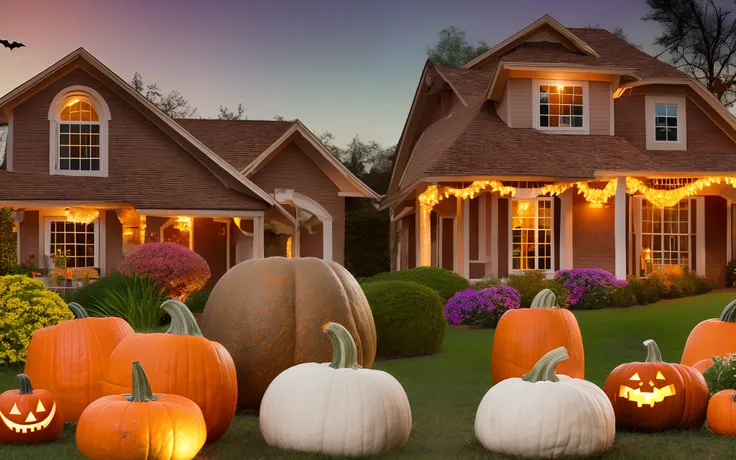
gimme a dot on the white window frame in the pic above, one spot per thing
(649, 112)
(536, 83)
(54, 116)
(663, 235)
(47, 219)
(553, 250)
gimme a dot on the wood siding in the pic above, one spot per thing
(113, 242)
(715, 239)
(29, 242)
(502, 106)
(210, 242)
(520, 102)
(601, 99)
(593, 234)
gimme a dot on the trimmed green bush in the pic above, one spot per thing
(530, 283)
(197, 300)
(366, 242)
(409, 317)
(444, 282)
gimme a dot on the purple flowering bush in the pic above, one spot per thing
(590, 288)
(482, 307)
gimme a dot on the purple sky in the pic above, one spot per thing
(347, 66)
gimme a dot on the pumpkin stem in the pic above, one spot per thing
(729, 313)
(25, 384)
(544, 370)
(141, 391)
(344, 351)
(182, 319)
(653, 353)
(544, 299)
(78, 310)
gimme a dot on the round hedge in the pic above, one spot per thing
(409, 317)
(444, 282)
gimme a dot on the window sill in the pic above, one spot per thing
(79, 173)
(577, 131)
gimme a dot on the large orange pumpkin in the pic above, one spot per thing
(712, 337)
(269, 313)
(524, 335)
(68, 359)
(654, 395)
(141, 425)
(28, 415)
(722, 413)
(184, 363)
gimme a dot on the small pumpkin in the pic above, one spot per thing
(546, 415)
(185, 363)
(722, 413)
(524, 335)
(654, 395)
(141, 425)
(29, 416)
(335, 408)
(703, 365)
(712, 337)
(268, 314)
(68, 359)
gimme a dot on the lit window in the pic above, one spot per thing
(665, 123)
(531, 234)
(79, 137)
(666, 237)
(73, 240)
(560, 106)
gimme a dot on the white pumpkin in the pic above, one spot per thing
(335, 408)
(546, 415)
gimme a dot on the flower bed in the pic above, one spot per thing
(481, 308)
(590, 288)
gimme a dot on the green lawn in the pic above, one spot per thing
(445, 390)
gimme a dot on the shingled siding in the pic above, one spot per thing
(520, 103)
(146, 167)
(600, 107)
(593, 234)
(715, 239)
(293, 169)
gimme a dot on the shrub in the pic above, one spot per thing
(25, 306)
(138, 301)
(444, 282)
(482, 307)
(176, 270)
(722, 375)
(530, 283)
(26, 267)
(8, 242)
(486, 282)
(589, 288)
(86, 295)
(409, 317)
(731, 273)
(197, 300)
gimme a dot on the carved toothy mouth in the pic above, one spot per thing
(644, 397)
(18, 428)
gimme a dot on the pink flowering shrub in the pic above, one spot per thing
(590, 288)
(482, 308)
(176, 270)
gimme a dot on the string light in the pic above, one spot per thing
(81, 215)
(183, 224)
(432, 196)
(667, 198)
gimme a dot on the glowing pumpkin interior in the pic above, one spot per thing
(31, 422)
(649, 398)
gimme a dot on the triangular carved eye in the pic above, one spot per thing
(39, 407)
(14, 410)
(660, 376)
(635, 377)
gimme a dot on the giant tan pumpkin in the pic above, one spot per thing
(268, 313)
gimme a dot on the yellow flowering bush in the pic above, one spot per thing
(25, 306)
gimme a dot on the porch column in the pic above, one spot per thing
(700, 236)
(258, 237)
(566, 230)
(424, 239)
(327, 240)
(729, 231)
(620, 228)
(494, 235)
(461, 252)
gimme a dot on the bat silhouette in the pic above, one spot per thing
(11, 46)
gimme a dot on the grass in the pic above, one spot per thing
(445, 390)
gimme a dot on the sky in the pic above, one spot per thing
(345, 66)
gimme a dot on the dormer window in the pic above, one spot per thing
(561, 106)
(79, 119)
(666, 122)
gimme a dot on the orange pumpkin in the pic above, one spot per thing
(184, 363)
(703, 365)
(722, 413)
(68, 359)
(524, 335)
(712, 337)
(140, 425)
(28, 415)
(654, 395)
(268, 313)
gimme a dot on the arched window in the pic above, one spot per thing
(78, 117)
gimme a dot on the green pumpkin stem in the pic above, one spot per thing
(729, 313)
(544, 370)
(78, 310)
(25, 385)
(141, 391)
(544, 299)
(653, 353)
(344, 351)
(182, 319)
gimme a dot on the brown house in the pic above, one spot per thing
(93, 170)
(564, 148)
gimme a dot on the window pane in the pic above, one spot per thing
(561, 100)
(671, 110)
(660, 134)
(660, 121)
(577, 122)
(544, 109)
(543, 121)
(672, 134)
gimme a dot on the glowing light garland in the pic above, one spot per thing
(431, 196)
(81, 215)
(667, 198)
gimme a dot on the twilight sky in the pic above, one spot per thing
(346, 66)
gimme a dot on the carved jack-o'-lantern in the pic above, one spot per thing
(28, 415)
(655, 395)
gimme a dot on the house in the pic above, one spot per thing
(92, 170)
(563, 148)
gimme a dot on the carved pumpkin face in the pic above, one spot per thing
(28, 415)
(654, 395)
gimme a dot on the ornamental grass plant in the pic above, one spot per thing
(137, 301)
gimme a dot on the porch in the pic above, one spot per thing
(625, 225)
